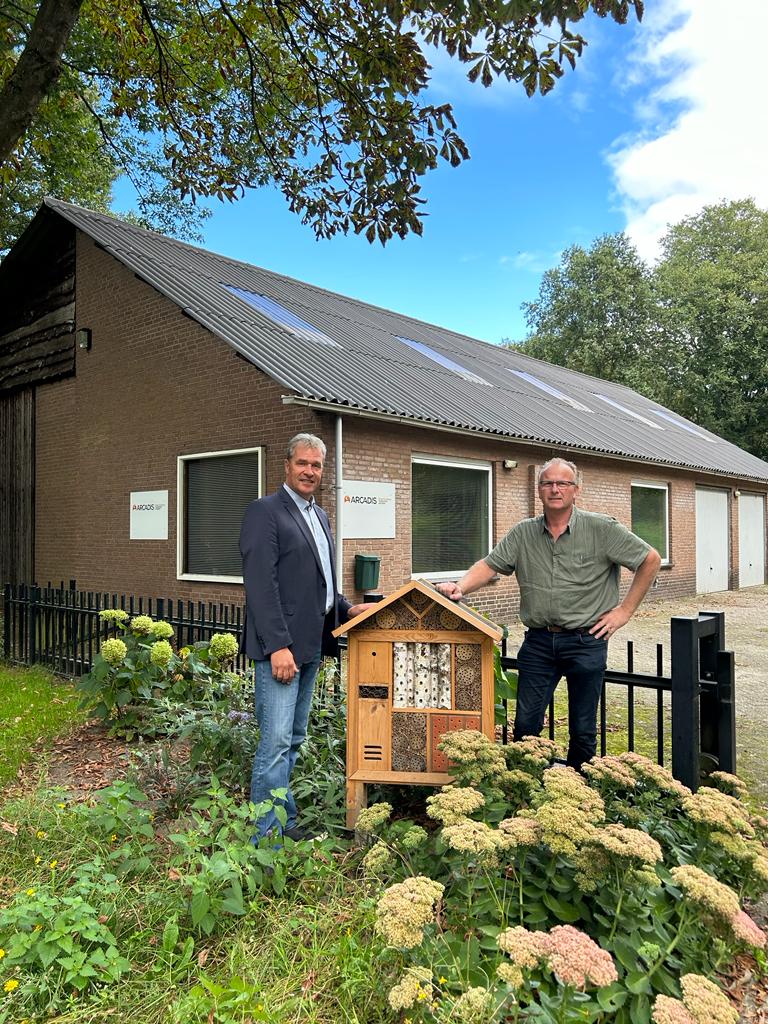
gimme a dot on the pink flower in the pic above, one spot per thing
(745, 929)
(577, 960)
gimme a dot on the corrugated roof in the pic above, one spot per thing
(373, 371)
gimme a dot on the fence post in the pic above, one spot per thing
(34, 593)
(7, 621)
(685, 700)
(726, 705)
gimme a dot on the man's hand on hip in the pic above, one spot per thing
(609, 622)
(283, 666)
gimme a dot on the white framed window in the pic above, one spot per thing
(650, 515)
(213, 491)
(451, 512)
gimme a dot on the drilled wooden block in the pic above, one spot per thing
(409, 742)
(469, 678)
(440, 725)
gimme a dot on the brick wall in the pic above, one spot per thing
(157, 385)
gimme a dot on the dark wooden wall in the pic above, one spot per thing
(17, 486)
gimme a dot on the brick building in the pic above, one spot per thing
(147, 389)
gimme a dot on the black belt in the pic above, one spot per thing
(563, 629)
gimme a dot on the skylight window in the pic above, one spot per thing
(550, 390)
(282, 316)
(683, 426)
(441, 360)
(629, 412)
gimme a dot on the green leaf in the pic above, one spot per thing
(199, 907)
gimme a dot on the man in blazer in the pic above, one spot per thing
(292, 604)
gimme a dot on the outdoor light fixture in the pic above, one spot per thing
(509, 464)
(83, 338)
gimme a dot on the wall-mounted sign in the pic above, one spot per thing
(369, 509)
(149, 515)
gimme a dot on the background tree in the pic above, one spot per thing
(325, 99)
(690, 333)
(596, 313)
(712, 289)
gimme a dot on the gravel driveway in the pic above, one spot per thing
(746, 634)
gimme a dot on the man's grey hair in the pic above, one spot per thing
(559, 462)
(305, 441)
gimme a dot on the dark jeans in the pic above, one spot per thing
(543, 658)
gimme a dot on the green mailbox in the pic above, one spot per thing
(367, 572)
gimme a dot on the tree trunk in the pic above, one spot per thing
(37, 70)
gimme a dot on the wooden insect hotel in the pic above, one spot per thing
(419, 665)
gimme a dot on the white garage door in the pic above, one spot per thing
(711, 540)
(751, 540)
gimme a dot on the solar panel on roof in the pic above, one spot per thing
(683, 426)
(550, 390)
(629, 412)
(442, 360)
(280, 315)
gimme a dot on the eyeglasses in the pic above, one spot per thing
(560, 484)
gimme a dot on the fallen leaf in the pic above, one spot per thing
(8, 827)
(202, 956)
(174, 875)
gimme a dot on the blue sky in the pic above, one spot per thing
(656, 120)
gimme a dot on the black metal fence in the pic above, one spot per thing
(59, 627)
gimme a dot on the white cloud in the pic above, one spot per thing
(704, 121)
(534, 262)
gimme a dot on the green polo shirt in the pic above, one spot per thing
(570, 581)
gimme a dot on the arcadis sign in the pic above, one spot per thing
(368, 509)
(149, 515)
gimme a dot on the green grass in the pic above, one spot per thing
(35, 707)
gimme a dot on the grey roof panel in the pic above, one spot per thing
(373, 371)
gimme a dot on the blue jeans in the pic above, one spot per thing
(282, 711)
(543, 658)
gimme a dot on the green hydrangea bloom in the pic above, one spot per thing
(161, 654)
(223, 646)
(113, 651)
(141, 624)
(113, 615)
(161, 630)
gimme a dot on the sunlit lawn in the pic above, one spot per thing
(35, 707)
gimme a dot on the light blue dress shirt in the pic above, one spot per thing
(307, 509)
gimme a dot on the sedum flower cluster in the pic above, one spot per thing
(569, 811)
(414, 838)
(113, 615)
(730, 784)
(475, 759)
(373, 817)
(718, 812)
(416, 984)
(650, 774)
(404, 910)
(717, 902)
(635, 853)
(519, 832)
(223, 646)
(378, 859)
(570, 954)
(474, 837)
(113, 651)
(475, 1006)
(610, 772)
(161, 654)
(454, 803)
(532, 753)
(702, 1003)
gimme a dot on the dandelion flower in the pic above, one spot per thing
(11, 985)
(31, 892)
(2, 953)
(53, 864)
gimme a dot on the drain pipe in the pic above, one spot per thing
(339, 508)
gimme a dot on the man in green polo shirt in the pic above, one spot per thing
(567, 563)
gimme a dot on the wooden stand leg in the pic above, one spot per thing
(357, 799)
